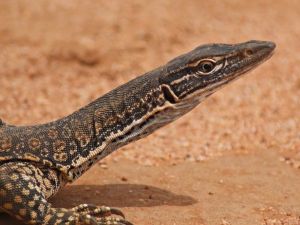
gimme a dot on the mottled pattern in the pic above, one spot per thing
(35, 161)
(24, 190)
(72, 141)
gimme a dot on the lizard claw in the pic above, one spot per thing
(98, 211)
(113, 221)
(104, 211)
(117, 212)
(90, 220)
(100, 215)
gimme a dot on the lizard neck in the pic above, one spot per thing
(123, 115)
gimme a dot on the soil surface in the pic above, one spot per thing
(233, 160)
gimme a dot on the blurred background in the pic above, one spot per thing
(56, 56)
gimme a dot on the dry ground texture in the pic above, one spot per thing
(234, 160)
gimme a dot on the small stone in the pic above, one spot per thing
(103, 166)
(124, 179)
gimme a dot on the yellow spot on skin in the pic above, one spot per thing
(31, 157)
(22, 212)
(5, 158)
(8, 186)
(18, 199)
(25, 192)
(31, 203)
(47, 183)
(47, 218)
(47, 163)
(8, 206)
(36, 197)
(31, 186)
(33, 214)
(14, 177)
(60, 215)
(25, 177)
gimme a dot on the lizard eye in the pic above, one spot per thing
(248, 52)
(206, 66)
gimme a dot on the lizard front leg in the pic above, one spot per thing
(22, 195)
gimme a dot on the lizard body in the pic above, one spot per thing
(35, 161)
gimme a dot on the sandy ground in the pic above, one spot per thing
(232, 160)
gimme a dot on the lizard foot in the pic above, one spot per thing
(97, 211)
(22, 197)
(100, 215)
(89, 220)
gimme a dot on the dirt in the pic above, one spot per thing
(235, 159)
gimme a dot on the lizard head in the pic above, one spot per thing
(199, 73)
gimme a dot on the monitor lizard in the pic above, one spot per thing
(36, 161)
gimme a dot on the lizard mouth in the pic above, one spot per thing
(262, 54)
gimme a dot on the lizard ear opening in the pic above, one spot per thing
(169, 94)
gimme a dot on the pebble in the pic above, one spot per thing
(103, 166)
(124, 179)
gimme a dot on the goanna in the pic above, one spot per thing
(36, 161)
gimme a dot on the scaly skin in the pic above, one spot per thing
(36, 161)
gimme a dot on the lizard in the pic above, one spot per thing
(38, 160)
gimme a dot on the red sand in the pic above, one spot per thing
(57, 56)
